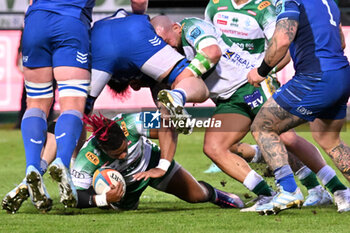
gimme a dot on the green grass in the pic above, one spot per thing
(159, 212)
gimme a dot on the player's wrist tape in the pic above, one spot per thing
(163, 164)
(101, 200)
(200, 64)
(264, 69)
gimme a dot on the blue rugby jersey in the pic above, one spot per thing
(81, 9)
(317, 45)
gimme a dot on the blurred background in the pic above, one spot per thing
(11, 78)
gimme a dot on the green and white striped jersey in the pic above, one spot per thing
(231, 71)
(91, 157)
(249, 25)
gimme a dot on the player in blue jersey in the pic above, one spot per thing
(56, 45)
(126, 46)
(318, 93)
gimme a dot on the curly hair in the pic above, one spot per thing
(107, 132)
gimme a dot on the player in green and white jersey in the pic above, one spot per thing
(226, 79)
(222, 65)
(251, 24)
(122, 144)
(248, 23)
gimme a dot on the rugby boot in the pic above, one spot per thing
(14, 199)
(318, 196)
(37, 190)
(68, 192)
(281, 201)
(342, 200)
(178, 113)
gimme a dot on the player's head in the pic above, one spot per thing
(119, 88)
(168, 30)
(109, 135)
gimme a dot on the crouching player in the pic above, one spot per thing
(122, 144)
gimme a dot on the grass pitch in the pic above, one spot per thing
(160, 212)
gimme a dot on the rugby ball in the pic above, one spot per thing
(105, 176)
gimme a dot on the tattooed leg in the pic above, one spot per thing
(271, 121)
(341, 158)
(327, 134)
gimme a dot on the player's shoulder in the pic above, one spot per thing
(190, 21)
(193, 24)
(89, 153)
(261, 6)
(128, 122)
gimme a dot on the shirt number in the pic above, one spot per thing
(331, 21)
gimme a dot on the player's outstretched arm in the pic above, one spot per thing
(283, 36)
(167, 143)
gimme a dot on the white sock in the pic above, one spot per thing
(252, 180)
(257, 156)
(180, 94)
(325, 174)
(303, 172)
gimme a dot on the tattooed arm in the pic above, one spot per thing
(283, 36)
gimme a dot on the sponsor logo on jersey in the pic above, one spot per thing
(222, 16)
(92, 158)
(234, 32)
(82, 57)
(279, 5)
(222, 8)
(254, 100)
(238, 59)
(195, 33)
(223, 22)
(251, 12)
(124, 128)
(234, 22)
(77, 174)
(216, 1)
(263, 5)
(155, 41)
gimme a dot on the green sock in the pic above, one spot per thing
(262, 189)
(335, 184)
(310, 181)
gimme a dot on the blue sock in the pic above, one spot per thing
(284, 177)
(67, 131)
(33, 129)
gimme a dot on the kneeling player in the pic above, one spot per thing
(122, 144)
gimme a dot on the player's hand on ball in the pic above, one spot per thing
(116, 193)
(152, 173)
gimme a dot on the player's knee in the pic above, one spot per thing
(326, 143)
(39, 90)
(289, 139)
(197, 196)
(255, 128)
(212, 150)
